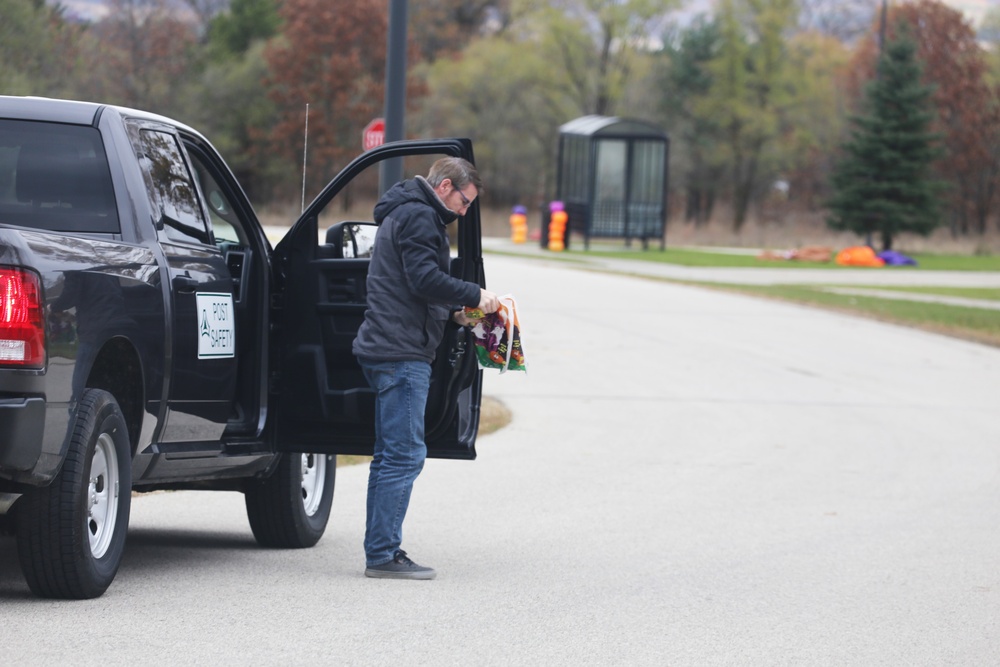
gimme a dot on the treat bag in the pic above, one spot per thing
(498, 337)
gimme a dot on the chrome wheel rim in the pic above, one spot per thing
(102, 496)
(313, 481)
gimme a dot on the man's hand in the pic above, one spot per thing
(489, 302)
(462, 319)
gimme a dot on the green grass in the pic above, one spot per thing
(975, 324)
(985, 293)
(689, 257)
(932, 262)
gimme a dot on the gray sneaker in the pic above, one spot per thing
(400, 567)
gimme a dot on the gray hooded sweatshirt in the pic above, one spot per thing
(410, 292)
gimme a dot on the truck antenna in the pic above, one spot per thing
(305, 148)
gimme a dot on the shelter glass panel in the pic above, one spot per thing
(610, 188)
(646, 197)
(575, 168)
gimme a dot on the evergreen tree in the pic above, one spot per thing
(684, 79)
(883, 183)
(231, 33)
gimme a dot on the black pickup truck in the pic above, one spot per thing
(151, 338)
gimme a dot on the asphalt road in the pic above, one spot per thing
(690, 478)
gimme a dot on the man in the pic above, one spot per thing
(411, 295)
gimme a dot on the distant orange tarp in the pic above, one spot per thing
(859, 256)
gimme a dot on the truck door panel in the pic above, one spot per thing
(324, 403)
(201, 385)
(238, 237)
(202, 371)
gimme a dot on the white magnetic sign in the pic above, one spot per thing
(216, 327)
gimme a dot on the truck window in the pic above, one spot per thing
(172, 188)
(227, 228)
(55, 177)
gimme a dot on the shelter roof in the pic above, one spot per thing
(594, 125)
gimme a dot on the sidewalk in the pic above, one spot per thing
(910, 296)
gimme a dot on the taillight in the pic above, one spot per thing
(22, 326)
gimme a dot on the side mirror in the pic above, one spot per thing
(352, 239)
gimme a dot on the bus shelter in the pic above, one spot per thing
(612, 178)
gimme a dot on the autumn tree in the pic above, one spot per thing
(552, 61)
(224, 97)
(967, 105)
(23, 45)
(140, 55)
(883, 183)
(989, 36)
(38, 49)
(815, 118)
(844, 20)
(446, 27)
(592, 45)
(749, 93)
(232, 32)
(505, 97)
(330, 55)
(206, 9)
(684, 79)
(226, 102)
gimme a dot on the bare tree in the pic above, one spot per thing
(442, 27)
(844, 19)
(206, 9)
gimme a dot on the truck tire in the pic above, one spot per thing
(290, 509)
(71, 534)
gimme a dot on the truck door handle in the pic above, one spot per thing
(185, 284)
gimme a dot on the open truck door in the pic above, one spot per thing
(321, 401)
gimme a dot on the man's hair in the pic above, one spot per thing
(460, 172)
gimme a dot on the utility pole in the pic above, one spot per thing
(391, 171)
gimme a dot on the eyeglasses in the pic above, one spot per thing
(466, 202)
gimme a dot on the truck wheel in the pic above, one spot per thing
(290, 509)
(71, 534)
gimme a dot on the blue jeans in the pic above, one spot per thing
(401, 389)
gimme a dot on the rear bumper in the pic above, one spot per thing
(22, 430)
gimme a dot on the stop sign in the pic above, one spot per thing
(373, 135)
